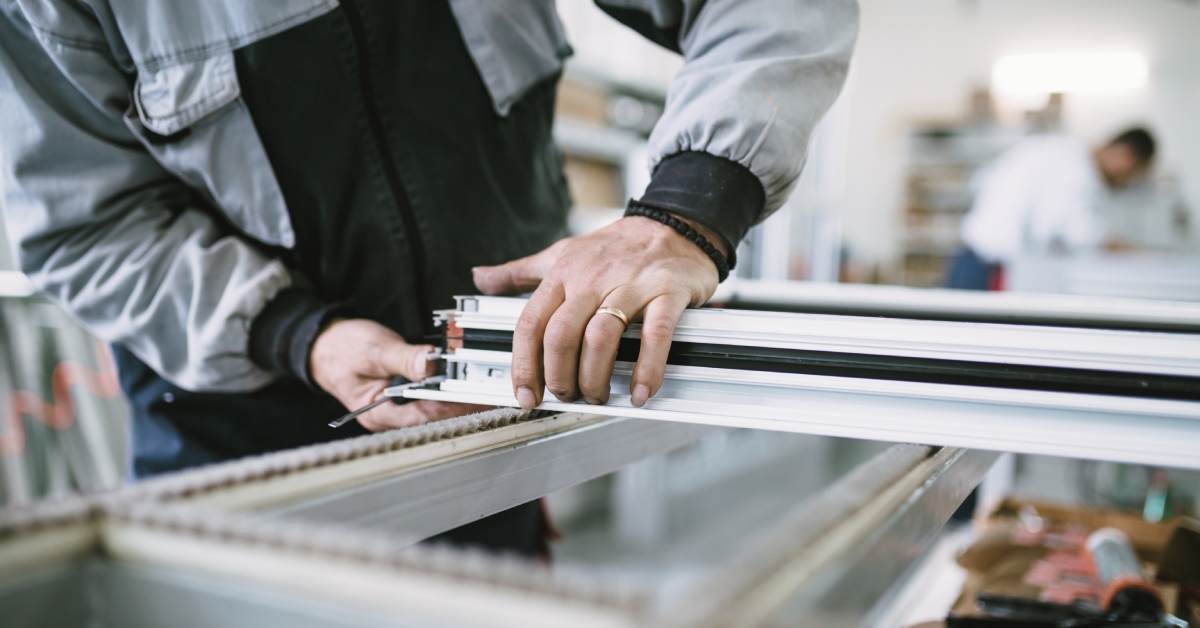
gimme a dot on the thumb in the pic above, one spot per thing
(407, 361)
(516, 277)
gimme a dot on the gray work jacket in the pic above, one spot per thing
(125, 147)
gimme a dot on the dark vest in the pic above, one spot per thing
(399, 177)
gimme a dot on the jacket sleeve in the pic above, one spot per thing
(757, 77)
(99, 226)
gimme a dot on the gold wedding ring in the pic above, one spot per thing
(615, 312)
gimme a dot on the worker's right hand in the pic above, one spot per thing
(354, 360)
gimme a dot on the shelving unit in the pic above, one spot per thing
(601, 128)
(944, 159)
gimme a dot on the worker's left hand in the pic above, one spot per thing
(354, 360)
(640, 266)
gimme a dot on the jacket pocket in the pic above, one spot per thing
(190, 116)
(515, 44)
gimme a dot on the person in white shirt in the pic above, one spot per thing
(1041, 196)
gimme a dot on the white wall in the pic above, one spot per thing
(918, 59)
(604, 47)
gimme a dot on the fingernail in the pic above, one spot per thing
(526, 399)
(641, 393)
(565, 397)
(591, 401)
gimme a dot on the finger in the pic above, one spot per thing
(392, 416)
(408, 361)
(440, 410)
(601, 339)
(658, 326)
(527, 343)
(516, 277)
(564, 334)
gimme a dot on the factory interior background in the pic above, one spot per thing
(930, 103)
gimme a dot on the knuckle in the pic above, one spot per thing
(561, 267)
(560, 337)
(589, 391)
(526, 321)
(596, 337)
(658, 330)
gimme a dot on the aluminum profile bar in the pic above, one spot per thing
(227, 524)
(420, 481)
(835, 558)
(891, 505)
(1114, 395)
(427, 501)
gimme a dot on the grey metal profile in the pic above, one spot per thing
(426, 501)
(207, 556)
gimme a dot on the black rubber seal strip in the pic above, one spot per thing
(894, 368)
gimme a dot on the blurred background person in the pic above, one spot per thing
(1042, 197)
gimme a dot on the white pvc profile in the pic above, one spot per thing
(1159, 353)
(1100, 427)
(1096, 426)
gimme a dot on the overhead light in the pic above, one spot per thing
(1065, 73)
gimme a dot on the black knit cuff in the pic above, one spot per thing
(720, 194)
(282, 335)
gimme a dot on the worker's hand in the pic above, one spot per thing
(353, 360)
(642, 267)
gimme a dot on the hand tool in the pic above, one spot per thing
(394, 391)
(395, 381)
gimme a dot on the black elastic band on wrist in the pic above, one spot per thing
(682, 228)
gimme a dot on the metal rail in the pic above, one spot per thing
(426, 501)
(875, 520)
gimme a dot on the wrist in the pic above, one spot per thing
(711, 236)
(282, 336)
(722, 195)
(714, 251)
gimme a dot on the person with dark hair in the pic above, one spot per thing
(1041, 197)
(1126, 157)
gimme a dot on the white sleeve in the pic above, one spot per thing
(994, 229)
(1066, 209)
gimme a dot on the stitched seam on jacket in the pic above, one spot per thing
(199, 52)
(189, 115)
(225, 94)
(70, 42)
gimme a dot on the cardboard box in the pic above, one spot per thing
(1033, 550)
